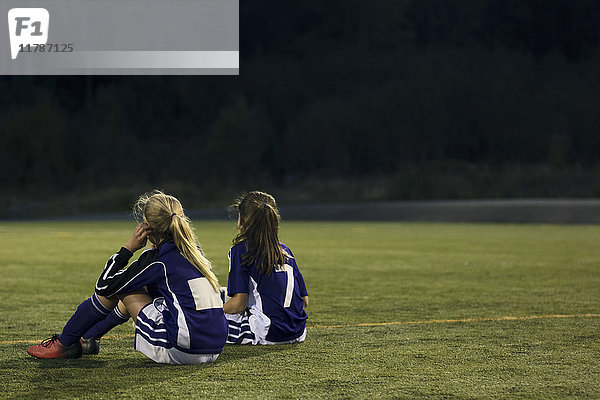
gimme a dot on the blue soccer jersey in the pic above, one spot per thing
(194, 318)
(276, 299)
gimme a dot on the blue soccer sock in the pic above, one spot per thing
(90, 312)
(113, 319)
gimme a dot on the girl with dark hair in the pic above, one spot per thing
(267, 290)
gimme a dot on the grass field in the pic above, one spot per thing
(397, 311)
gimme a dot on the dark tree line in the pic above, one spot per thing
(326, 88)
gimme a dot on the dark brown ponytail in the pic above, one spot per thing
(260, 230)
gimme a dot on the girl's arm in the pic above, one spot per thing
(305, 301)
(237, 304)
(117, 277)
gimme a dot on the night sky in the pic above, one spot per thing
(335, 101)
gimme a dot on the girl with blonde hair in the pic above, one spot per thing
(170, 291)
(267, 290)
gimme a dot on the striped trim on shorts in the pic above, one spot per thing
(241, 332)
(151, 338)
(239, 329)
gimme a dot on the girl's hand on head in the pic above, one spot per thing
(138, 237)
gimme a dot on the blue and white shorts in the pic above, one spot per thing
(151, 338)
(252, 329)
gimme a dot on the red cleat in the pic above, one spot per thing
(53, 348)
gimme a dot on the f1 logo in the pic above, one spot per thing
(28, 26)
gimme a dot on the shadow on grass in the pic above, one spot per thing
(89, 378)
(235, 353)
(80, 363)
(114, 372)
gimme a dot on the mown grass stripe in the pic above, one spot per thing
(431, 321)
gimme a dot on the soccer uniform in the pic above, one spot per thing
(275, 302)
(185, 323)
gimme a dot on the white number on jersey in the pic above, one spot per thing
(289, 290)
(204, 294)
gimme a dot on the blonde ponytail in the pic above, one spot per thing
(165, 215)
(186, 242)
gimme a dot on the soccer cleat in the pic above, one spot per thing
(90, 346)
(53, 348)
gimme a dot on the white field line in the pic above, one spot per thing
(452, 321)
